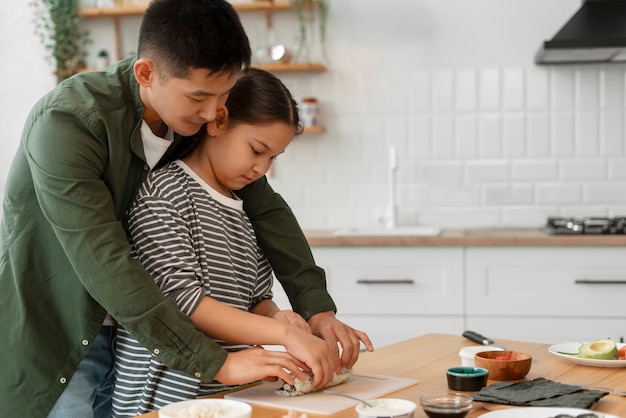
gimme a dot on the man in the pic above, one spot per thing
(65, 260)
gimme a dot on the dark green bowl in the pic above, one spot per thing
(467, 378)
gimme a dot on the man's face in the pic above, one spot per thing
(184, 105)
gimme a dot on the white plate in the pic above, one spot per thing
(540, 412)
(228, 408)
(558, 349)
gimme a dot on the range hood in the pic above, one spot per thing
(595, 34)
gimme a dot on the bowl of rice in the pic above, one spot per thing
(206, 408)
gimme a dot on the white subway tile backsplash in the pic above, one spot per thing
(442, 90)
(477, 147)
(514, 135)
(420, 137)
(612, 86)
(558, 193)
(447, 174)
(605, 193)
(443, 136)
(562, 87)
(583, 170)
(465, 90)
(394, 91)
(462, 217)
(318, 196)
(587, 131)
(419, 91)
(535, 170)
(538, 87)
(612, 133)
(504, 194)
(513, 89)
(530, 216)
(466, 134)
(485, 171)
(490, 136)
(489, 91)
(539, 143)
(617, 169)
(396, 134)
(587, 88)
(562, 124)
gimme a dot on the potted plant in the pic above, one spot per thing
(58, 26)
(309, 13)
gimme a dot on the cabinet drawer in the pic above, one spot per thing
(394, 280)
(575, 282)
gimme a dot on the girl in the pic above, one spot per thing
(190, 232)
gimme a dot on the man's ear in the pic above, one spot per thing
(144, 70)
(221, 117)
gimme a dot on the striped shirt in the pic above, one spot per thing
(195, 242)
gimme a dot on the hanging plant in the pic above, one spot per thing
(309, 12)
(58, 26)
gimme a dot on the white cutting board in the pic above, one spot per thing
(362, 385)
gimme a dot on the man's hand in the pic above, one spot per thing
(255, 363)
(326, 326)
(292, 318)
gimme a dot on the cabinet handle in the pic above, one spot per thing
(382, 281)
(587, 281)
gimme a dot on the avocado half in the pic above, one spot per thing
(603, 349)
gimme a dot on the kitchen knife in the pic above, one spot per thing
(478, 338)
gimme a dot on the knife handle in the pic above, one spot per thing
(477, 338)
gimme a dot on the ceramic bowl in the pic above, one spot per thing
(467, 353)
(504, 365)
(224, 408)
(441, 405)
(467, 378)
(387, 407)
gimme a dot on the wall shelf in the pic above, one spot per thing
(268, 6)
(313, 130)
(304, 67)
(256, 6)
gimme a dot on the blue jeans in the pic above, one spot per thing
(89, 392)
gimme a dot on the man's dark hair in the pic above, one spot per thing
(178, 35)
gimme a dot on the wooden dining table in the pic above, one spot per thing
(427, 357)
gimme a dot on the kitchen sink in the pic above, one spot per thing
(399, 231)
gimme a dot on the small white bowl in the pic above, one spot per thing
(387, 407)
(209, 408)
(467, 353)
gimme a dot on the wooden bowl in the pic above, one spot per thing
(504, 365)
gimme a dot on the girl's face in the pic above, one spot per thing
(233, 156)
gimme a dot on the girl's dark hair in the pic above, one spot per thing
(259, 97)
(182, 34)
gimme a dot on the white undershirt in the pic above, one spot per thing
(153, 147)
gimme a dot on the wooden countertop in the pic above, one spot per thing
(427, 357)
(487, 237)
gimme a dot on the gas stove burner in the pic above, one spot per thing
(588, 225)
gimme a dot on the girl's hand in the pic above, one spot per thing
(256, 363)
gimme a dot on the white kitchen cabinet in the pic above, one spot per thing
(546, 294)
(395, 293)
